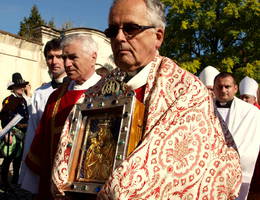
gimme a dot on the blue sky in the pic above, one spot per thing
(82, 13)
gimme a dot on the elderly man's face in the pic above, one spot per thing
(79, 64)
(132, 51)
(248, 98)
(225, 89)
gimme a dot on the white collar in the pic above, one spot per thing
(60, 80)
(140, 78)
(87, 84)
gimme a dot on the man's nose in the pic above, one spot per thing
(67, 62)
(54, 60)
(120, 35)
(223, 88)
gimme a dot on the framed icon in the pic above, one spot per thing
(104, 132)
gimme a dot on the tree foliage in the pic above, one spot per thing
(221, 33)
(28, 25)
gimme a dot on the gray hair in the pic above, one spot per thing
(88, 43)
(155, 12)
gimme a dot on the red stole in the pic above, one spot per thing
(139, 93)
(44, 146)
(257, 105)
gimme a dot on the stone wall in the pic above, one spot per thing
(19, 55)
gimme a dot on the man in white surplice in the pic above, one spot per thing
(54, 61)
(243, 121)
(248, 91)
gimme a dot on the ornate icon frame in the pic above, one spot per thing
(128, 135)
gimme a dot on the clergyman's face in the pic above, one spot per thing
(248, 98)
(55, 63)
(210, 89)
(79, 64)
(225, 89)
(133, 51)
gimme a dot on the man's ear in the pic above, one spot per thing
(94, 55)
(159, 37)
(236, 88)
(94, 59)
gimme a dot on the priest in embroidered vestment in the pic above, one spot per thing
(184, 153)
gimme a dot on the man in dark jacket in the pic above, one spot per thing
(12, 143)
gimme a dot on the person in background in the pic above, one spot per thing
(207, 76)
(183, 153)
(28, 97)
(258, 95)
(53, 56)
(248, 91)
(248, 88)
(27, 90)
(12, 143)
(243, 121)
(79, 52)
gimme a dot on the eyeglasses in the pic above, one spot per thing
(129, 30)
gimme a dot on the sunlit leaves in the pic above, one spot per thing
(184, 25)
(221, 33)
(191, 66)
(231, 10)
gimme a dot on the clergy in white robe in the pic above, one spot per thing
(28, 179)
(243, 121)
(52, 52)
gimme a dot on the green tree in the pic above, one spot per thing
(221, 33)
(28, 25)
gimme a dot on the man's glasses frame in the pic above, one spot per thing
(129, 29)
